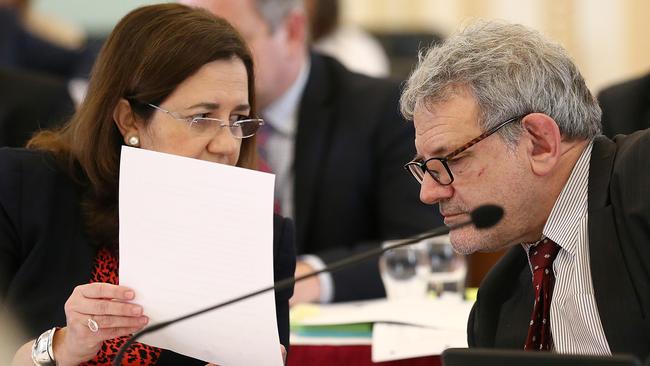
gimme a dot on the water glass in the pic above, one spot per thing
(447, 268)
(405, 271)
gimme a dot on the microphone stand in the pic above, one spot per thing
(288, 282)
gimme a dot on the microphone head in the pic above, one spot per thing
(486, 216)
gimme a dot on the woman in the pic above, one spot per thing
(170, 79)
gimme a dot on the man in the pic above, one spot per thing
(626, 106)
(337, 144)
(577, 205)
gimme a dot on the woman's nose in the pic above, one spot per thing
(224, 143)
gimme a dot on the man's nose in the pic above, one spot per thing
(431, 192)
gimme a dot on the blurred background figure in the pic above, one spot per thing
(355, 48)
(50, 28)
(626, 106)
(32, 41)
(30, 101)
(337, 144)
(43, 67)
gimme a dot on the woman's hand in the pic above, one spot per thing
(100, 304)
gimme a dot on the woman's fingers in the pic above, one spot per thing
(100, 290)
(106, 307)
(107, 321)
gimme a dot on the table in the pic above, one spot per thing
(343, 355)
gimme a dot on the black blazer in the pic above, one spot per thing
(350, 189)
(619, 249)
(626, 106)
(44, 252)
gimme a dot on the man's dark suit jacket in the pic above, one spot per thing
(350, 188)
(30, 102)
(626, 106)
(44, 252)
(619, 249)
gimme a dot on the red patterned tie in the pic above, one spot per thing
(541, 258)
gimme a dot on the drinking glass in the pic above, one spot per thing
(447, 268)
(405, 271)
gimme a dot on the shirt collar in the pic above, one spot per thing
(282, 113)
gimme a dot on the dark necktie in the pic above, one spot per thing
(541, 258)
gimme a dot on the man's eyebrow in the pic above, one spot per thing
(439, 151)
(436, 153)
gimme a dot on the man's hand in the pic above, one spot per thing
(306, 290)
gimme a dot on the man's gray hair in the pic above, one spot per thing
(510, 70)
(275, 11)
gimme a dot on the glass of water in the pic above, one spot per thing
(405, 271)
(448, 268)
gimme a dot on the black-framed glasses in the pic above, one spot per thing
(438, 167)
(205, 126)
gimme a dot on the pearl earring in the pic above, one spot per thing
(134, 141)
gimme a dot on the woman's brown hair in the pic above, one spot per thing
(150, 52)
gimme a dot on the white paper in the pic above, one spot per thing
(396, 342)
(193, 234)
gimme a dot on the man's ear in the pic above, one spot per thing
(544, 142)
(125, 120)
(295, 25)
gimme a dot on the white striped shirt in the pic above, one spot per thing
(575, 322)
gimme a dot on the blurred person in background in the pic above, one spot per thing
(336, 142)
(626, 106)
(21, 47)
(355, 48)
(171, 79)
(42, 75)
(29, 102)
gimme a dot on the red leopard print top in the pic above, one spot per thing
(105, 270)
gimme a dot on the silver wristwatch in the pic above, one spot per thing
(42, 353)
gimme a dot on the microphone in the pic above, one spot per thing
(482, 217)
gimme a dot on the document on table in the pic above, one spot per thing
(402, 329)
(193, 234)
(398, 341)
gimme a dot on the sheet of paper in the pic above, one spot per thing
(444, 313)
(396, 341)
(193, 234)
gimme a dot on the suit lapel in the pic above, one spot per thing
(315, 124)
(613, 289)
